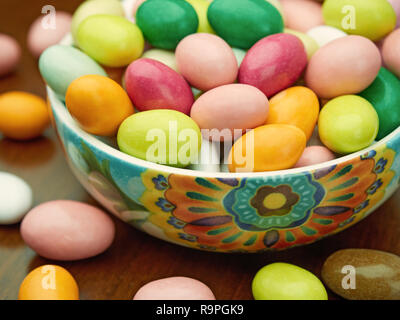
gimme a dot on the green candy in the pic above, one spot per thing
(165, 23)
(372, 19)
(161, 136)
(283, 281)
(242, 23)
(384, 95)
(60, 65)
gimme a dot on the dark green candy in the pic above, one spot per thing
(384, 95)
(242, 23)
(166, 22)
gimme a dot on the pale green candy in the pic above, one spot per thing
(372, 19)
(110, 40)
(93, 7)
(60, 65)
(164, 56)
(161, 136)
(196, 93)
(239, 54)
(283, 281)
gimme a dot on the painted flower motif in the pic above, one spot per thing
(273, 212)
(160, 182)
(380, 165)
(165, 205)
(374, 187)
(362, 206)
(176, 222)
(274, 201)
(265, 203)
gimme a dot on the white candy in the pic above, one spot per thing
(209, 158)
(15, 198)
(325, 34)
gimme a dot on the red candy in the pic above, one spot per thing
(153, 85)
(274, 63)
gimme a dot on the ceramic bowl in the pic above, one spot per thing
(231, 212)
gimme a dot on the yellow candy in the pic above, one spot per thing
(283, 281)
(49, 282)
(110, 40)
(164, 56)
(201, 7)
(309, 43)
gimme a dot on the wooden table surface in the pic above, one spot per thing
(136, 258)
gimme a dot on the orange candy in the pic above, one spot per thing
(298, 106)
(267, 148)
(49, 282)
(99, 104)
(23, 116)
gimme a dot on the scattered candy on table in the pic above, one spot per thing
(49, 282)
(10, 54)
(23, 116)
(363, 274)
(15, 198)
(175, 288)
(283, 281)
(67, 230)
(42, 35)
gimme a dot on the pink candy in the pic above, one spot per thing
(153, 85)
(274, 63)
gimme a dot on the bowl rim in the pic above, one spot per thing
(65, 117)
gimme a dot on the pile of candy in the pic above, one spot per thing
(204, 73)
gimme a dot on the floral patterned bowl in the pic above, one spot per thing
(229, 212)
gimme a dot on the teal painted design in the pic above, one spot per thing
(300, 194)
